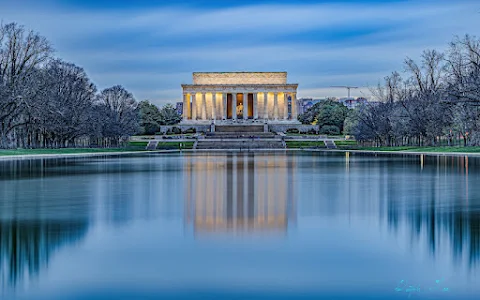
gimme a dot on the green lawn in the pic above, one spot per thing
(138, 144)
(305, 144)
(349, 143)
(300, 134)
(423, 149)
(174, 145)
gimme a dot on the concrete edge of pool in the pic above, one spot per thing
(63, 155)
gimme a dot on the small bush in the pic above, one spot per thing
(312, 131)
(293, 130)
(190, 130)
(176, 130)
(330, 129)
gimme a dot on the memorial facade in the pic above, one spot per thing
(240, 96)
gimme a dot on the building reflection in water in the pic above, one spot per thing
(239, 192)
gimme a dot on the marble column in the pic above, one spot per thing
(185, 107)
(234, 106)
(204, 106)
(285, 106)
(255, 106)
(265, 105)
(194, 106)
(245, 106)
(214, 105)
(294, 106)
(224, 106)
(275, 106)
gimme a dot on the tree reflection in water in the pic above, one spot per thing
(26, 246)
(441, 211)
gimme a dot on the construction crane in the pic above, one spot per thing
(346, 87)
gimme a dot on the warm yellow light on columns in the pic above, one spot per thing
(245, 106)
(224, 106)
(214, 105)
(185, 107)
(234, 106)
(255, 106)
(194, 106)
(275, 106)
(294, 106)
(204, 106)
(265, 106)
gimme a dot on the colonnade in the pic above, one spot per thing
(222, 106)
(239, 191)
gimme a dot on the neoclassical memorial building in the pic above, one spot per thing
(229, 97)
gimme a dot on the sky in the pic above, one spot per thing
(151, 47)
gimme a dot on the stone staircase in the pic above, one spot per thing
(239, 128)
(152, 145)
(239, 135)
(330, 144)
(241, 145)
(241, 140)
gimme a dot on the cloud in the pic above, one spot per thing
(151, 51)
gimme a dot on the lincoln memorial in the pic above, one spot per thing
(228, 97)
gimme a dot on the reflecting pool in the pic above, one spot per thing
(241, 226)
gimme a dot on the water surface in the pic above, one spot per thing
(241, 225)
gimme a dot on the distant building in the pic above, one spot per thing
(179, 108)
(353, 102)
(305, 103)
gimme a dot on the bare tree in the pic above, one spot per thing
(118, 116)
(66, 112)
(21, 53)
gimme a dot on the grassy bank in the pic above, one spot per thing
(453, 149)
(305, 144)
(132, 146)
(166, 145)
(352, 145)
(318, 144)
(174, 145)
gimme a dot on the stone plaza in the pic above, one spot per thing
(245, 97)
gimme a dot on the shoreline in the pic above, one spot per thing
(63, 155)
(398, 152)
(121, 153)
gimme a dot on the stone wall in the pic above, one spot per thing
(183, 128)
(272, 127)
(301, 128)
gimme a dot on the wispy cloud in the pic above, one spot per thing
(152, 50)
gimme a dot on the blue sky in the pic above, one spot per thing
(152, 46)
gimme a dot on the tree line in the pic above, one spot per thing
(431, 102)
(46, 102)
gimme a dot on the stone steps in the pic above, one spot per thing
(152, 145)
(237, 135)
(239, 128)
(243, 144)
(330, 144)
